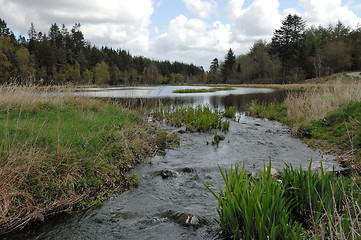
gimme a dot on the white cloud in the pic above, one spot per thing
(192, 41)
(124, 23)
(328, 12)
(202, 9)
(257, 21)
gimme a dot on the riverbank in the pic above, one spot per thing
(326, 115)
(64, 153)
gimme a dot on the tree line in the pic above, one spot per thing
(294, 54)
(62, 56)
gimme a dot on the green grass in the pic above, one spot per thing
(341, 128)
(230, 112)
(199, 119)
(203, 90)
(56, 154)
(273, 111)
(297, 205)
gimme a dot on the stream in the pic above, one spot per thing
(152, 210)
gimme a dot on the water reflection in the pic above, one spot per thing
(153, 96)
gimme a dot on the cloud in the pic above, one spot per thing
(257, 21)
(202, 9)
(124, 23)
(192, 40)
(327, 12)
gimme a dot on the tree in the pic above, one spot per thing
(101, 73)
(287, 42)
(25, 63)
(336, 58)
(228, 69)
(4, 67)
(4, 30)
(214, 66)
(214, 71)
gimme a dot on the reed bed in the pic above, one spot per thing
(314, 105)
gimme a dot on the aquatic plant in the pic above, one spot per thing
(297, 205)
(230, 112)
(327, 205)
(250, 209)
(203, 90)
(200, 118)
(273, 111)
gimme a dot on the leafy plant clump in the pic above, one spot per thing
(272, 111)
(297, 205)
(230, 112)
(251, 209)
(199, 119)
(203, 90)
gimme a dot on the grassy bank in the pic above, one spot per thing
(203, 90)
(63, 153)
(295, 205)
(330, 113)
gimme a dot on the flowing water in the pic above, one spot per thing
(151, 211)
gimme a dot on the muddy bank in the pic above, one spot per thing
(150, 211)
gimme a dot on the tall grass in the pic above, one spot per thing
(251, 209)
(314, 105)
(298, 205)
(58, 152)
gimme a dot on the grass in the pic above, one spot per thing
(203, 90)
(298, 205)
(56, 152)
(330, 114)
(199, 119)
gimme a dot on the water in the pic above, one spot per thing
(147, 212)
(151, 96)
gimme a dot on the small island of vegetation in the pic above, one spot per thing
(203, 90)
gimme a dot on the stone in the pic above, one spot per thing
(186, 219)
(40, 217)
(221, 137)
(166, 173)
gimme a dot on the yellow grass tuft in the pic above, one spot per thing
(317, 104)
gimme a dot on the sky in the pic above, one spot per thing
(189, 31)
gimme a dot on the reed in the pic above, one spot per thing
(314, 105)
(251, 209)
(297, 205)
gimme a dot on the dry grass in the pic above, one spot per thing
(43, 170)
(313, 105)
(27, 97)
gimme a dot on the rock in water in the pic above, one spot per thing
(186, 219)
(166, 173)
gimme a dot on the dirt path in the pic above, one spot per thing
(355, 74)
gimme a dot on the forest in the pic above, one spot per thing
(66, 57)
(296, 52)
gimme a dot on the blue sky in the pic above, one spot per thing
(191, 31)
